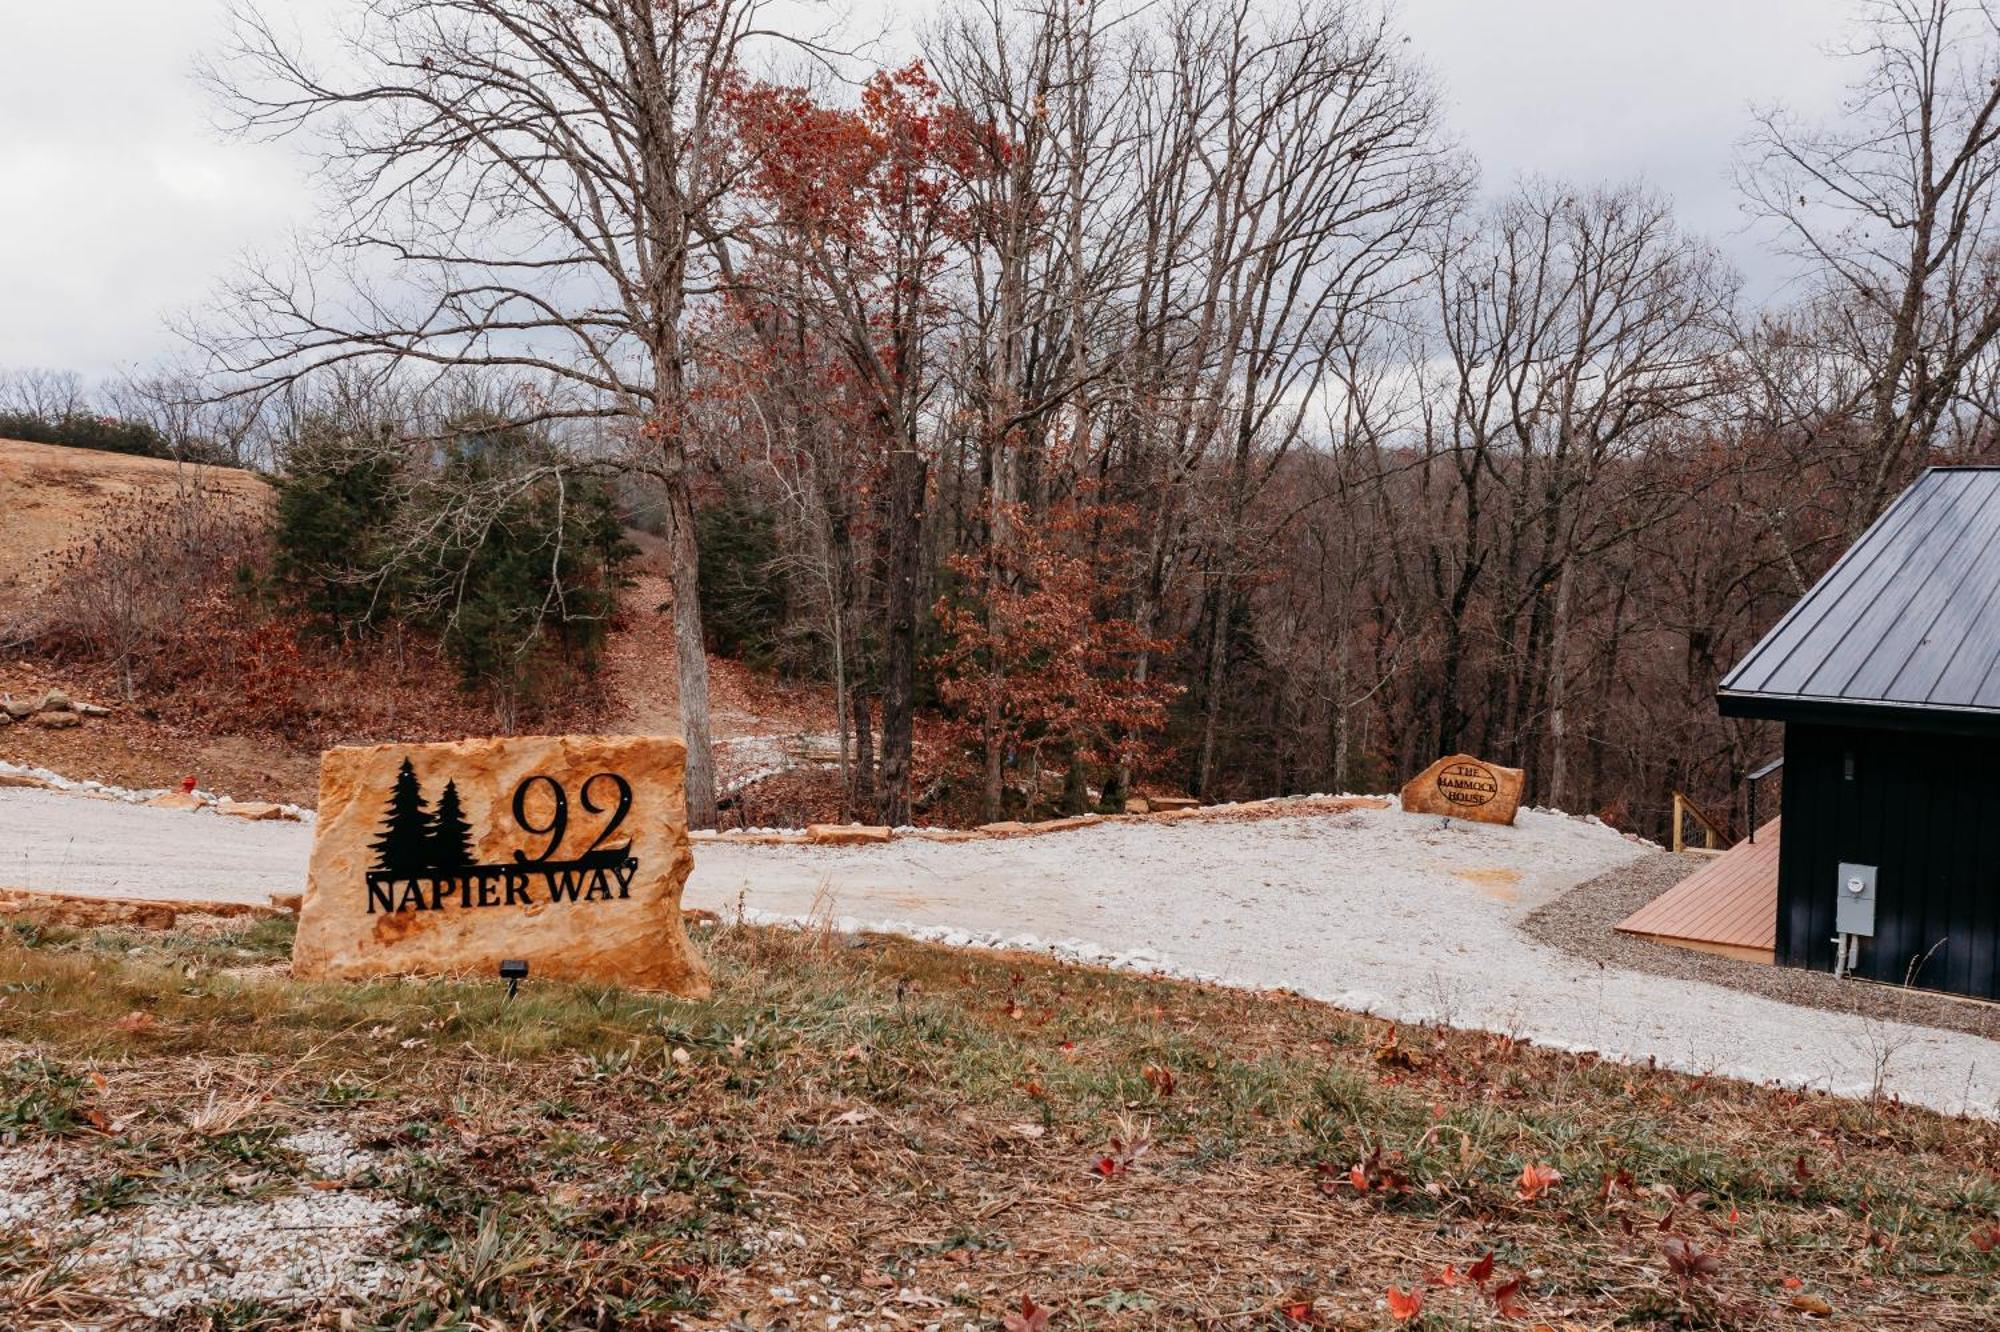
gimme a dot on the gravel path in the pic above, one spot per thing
(1583, 921)
(1406, 916)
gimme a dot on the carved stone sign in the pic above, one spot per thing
(566, 851)
(1466, 788)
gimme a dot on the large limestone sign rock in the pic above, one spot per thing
(566, 851)
(1466, 788)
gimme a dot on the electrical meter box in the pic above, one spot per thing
(1854, 912)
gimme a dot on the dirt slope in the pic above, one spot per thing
(52, 497)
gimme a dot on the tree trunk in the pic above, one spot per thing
(1218, 658)
(1559, 690)
(907, 477)
(690, 653)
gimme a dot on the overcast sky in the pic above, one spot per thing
(120, 205)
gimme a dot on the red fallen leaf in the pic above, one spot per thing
(1481, 1270)
(1536, 1180)
(1507, 1299)
(1358, 1177)
(1687, 1262)
(1987, 1240)
(1799, 1171)
(1301, 1311)
(133, 1021)
(1159, 1079)
(1032, 1317)
(1450, 1276)
(1791, 1283)
(1812, 1306)
(97, 1120)
(1404, 1306)
(1107, 1166)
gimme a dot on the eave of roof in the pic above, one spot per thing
(1903, 630)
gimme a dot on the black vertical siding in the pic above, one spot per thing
(1925, 809)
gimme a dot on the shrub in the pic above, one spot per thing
(743, 602)
(336, 501)
(110, 434)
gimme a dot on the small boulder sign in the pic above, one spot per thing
(567, 851)
(1464, 787)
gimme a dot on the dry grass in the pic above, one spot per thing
(872, 1133)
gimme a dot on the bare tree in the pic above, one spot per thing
(1892, 212)
(48, 395)
(1580, 329)
(523, 188)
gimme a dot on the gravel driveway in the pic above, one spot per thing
(1401, 915)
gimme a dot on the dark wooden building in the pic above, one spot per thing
(1887, 678)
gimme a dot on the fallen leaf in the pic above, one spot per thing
(1813, 1305)
(133, 1021)
(1687, 1262)
(1536, 1180)
(1405, 1305)
(1031, 1318)
(1481, 1270)
(1507, 1299)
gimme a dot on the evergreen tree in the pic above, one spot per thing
(405, 844)
(451, 834)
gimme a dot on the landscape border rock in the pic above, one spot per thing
(27, 775)
(82, 909)
(835, 834)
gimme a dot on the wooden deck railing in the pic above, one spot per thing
(1714, 841)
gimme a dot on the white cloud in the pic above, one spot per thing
(119, 204)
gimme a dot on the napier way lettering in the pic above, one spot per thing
(424, 858)
(565, 851)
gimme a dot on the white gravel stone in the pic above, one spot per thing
(1409, 917)
(299, 1247)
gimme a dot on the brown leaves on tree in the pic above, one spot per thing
(1036, 665)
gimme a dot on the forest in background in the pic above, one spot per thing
(1143, 394)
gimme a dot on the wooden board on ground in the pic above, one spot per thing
(566, 852)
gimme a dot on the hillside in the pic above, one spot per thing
(56, 496)
(59, 499)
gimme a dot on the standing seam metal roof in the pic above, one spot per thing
(1909, 617)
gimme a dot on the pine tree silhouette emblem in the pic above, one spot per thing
(451, 835)
(405, 844)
